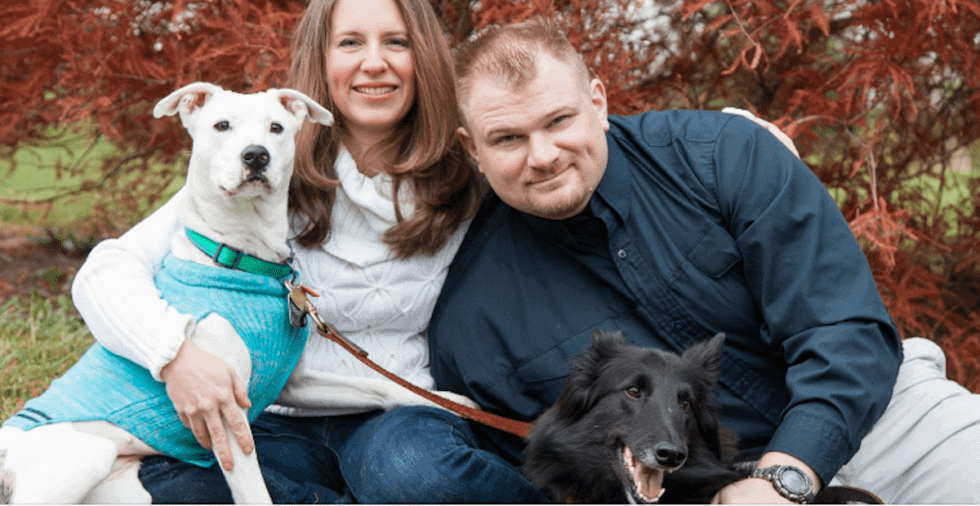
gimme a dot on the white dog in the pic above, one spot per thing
(82, 439)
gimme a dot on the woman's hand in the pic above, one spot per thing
(203, 389)
(773, 129)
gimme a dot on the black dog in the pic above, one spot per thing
(634, 424)
(641, 425)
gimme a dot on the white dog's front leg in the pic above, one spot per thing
(245, 479)
(216, 336)
(54, 463)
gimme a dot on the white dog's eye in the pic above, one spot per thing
(275, 128)
(222, 126)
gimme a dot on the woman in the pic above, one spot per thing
(379, 204)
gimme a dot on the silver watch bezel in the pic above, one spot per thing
(774, 474)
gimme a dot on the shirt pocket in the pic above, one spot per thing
(544, 376)
(710, 288)
(715, 254)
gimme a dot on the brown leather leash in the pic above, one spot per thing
(298, 295)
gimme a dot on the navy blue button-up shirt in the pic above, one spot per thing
(703, 223)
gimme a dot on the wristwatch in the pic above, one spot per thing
(791, 482)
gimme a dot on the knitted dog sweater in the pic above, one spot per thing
(104, 386)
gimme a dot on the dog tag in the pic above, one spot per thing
(297, 303)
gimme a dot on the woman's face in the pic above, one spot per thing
(370, 68)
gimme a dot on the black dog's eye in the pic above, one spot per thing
(684, 400)
(222, 126)
(276, 128)
(633, 392)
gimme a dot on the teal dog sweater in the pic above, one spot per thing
(105, 386)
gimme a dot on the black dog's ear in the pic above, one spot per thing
(606, 344)
(576, 397)
(580, 394)
(706, 355)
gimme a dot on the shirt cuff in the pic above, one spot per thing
(818, 442)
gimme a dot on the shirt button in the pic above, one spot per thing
(622, 253)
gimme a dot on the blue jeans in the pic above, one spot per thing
(406, 455)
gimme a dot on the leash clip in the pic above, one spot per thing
(299, 302)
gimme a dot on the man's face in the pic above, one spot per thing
(542, 146)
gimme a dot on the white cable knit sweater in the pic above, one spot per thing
(380, 303)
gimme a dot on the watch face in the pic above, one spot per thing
(794, 480)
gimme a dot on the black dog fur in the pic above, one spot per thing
(657, 404)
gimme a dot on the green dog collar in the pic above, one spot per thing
(232, 258)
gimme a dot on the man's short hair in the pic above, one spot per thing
(511, 52)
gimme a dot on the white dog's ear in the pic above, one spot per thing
(185, 100)
(303, 106)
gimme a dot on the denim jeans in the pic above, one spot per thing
(406, 455)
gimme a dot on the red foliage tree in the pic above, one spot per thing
(879, 97)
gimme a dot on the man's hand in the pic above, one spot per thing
(759, 490)
(203, 389)
(749, 491)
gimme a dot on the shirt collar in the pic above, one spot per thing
(614, 188)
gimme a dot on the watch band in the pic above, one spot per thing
(789, 481)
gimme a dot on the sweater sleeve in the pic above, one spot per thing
(116, 296)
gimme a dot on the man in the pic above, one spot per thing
(673, 226)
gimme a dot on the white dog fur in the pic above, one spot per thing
(97, 461)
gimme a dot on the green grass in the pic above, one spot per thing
(36, 173)
(35, 177)
(943, 196)
(40, 339)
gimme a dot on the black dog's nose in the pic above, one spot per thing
(669, 455)
(255, 158)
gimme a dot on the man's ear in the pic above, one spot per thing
(467, 141)
(598, 95)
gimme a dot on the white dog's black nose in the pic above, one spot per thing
(255, 158)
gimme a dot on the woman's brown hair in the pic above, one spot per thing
(426, 153)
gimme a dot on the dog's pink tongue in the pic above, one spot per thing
(648, 481)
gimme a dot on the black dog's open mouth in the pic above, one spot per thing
(645, 484)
